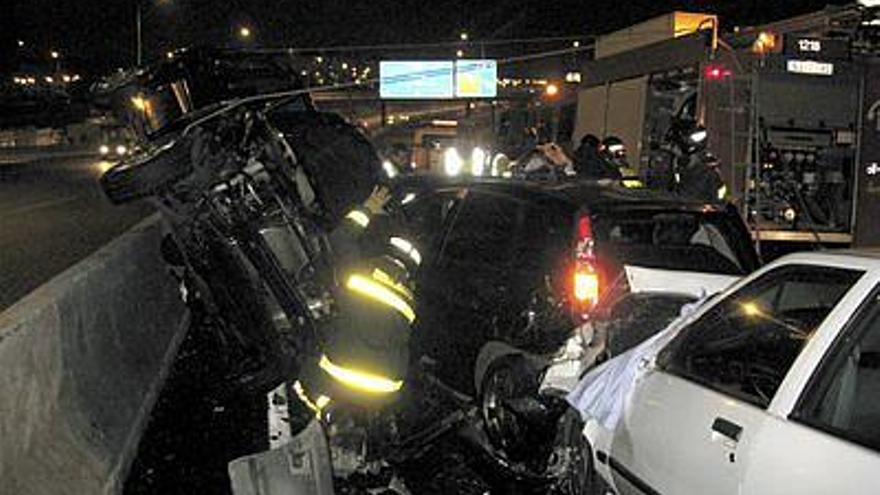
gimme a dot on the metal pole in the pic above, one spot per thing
(732, 162)
(139, 39)
(857, 161)
(755, 157)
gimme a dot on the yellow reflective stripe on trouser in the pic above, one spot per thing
(380, 293)
(359, 218)
(360, 380)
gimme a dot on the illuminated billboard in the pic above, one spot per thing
(438, 79)
(416, 79)
(476, 78)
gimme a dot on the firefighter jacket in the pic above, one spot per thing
(365, 345)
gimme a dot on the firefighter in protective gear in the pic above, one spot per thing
(613, 151)
(364, 347)
(702, 180)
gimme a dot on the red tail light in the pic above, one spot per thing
(585, 228)
(585, 278)
(586, 286)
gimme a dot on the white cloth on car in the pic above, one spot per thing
(603, 393)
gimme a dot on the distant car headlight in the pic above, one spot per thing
(478, 161)
(104, 149)
(452, 163)
(121, 150)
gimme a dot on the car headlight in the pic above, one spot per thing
(478, 161)
(121, 150)
(104, 149)
(452, 163)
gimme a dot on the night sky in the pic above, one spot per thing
(99, 34)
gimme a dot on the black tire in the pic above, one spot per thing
(580, 478)
(509, 377)
(144, 175)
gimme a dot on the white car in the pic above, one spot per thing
(773, 387)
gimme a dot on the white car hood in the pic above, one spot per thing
(696, 284)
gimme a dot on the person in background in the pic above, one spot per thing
(548, 162)
(612, 152)
(702, 180)
(587, 162)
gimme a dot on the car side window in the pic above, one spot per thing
(841, 398)
(544, 237)
(483, 233)
(426, 217)
(745, 344)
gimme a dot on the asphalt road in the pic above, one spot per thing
(53, 214)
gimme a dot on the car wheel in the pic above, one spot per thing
(578, 476)
(506, 379)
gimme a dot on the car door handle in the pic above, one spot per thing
(727, 428)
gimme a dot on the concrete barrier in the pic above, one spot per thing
(82, 359)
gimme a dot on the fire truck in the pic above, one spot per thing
(791, 109)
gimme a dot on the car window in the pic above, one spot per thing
(674, 240)
(841, 399)
(426, 215)
(483, 233)
(544, 237)
(745, 344)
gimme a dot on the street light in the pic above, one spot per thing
(463, 36)
(244, 32)
(21, 43)
(55, 56)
